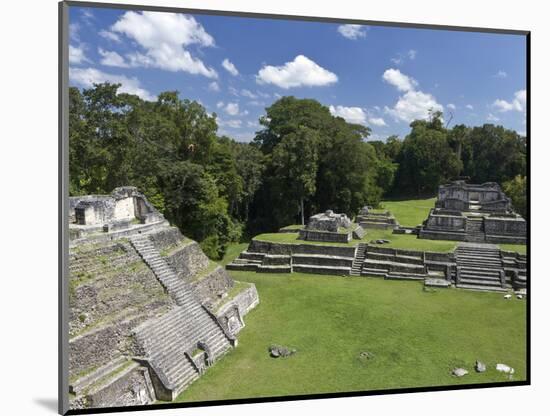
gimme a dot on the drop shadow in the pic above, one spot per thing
(48, 404)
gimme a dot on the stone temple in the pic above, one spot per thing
(474, 213)
(330, 227)
(149, 312)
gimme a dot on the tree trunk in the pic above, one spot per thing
(302, 209)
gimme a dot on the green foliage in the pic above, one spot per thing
(303, 161)
(516, 189)
(426, 160)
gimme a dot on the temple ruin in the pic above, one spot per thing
(330, 227)
(149, 312)
(368, 218)
(474, 213)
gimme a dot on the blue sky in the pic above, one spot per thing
(381, 77)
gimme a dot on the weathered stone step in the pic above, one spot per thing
(84, 382)
(243, 267)
(481, 288)
(481, 282)
(274, 269)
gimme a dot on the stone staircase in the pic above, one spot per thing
(358, 260)
(169, 341)
(474, 230)
(479, 267)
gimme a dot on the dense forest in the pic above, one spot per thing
(302, 161)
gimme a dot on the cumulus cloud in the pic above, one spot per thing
(492, 118)
(412, 54)
(248, 94)
(354, 115)
(377, 121)
(301, 72)
(501, 74)
(87, 77)
(230, 67)
(213, 86)
(469, 106)
(413, 104)
(399, 80)
(111, 58)
(234, 123)
(451, 106)
(232, 109)
(77, 55)
(164, 37)
(110, 36)
(518, 103)
(352, 32)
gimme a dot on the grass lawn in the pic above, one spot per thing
(403, 241)
(411, 212)
(415, 337)
(520, 248)
(232, 252)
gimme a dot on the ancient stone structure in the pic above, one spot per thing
(149, 312)
(377, 220)
(123, 211)
(473, 266)
(330, 227)
(475, 213)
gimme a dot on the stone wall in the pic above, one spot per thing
(325, 236)
(445, 222)
(212, 286)
(188, 259)
(505, 226)
(131, 388)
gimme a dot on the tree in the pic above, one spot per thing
(493, 154)
(426, 160)
(516, 190)
(294, 162)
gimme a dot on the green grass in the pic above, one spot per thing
(402, 241)
(232, 252)
(520, 248)
(411, 212)
(415, 337)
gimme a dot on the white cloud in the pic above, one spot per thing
(234, 124)
(412, 54)
(492, 118)
(354, 115)
(110, 36)
(164, 37)
(231, 108)
(230, 67)
(73, 32)
(451, 106)
(77, 55)
(469, 106)
(213, 86)
(399, 80)
(219, 104)
(377, 121)
(111, 58)
(414, 105)
(517, 104)
(352, 31)
(398, 60)
(501, 74)
(249, 94)
(87, 77)
(300, 72)
(256, 103)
